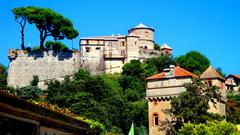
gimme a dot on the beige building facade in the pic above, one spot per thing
(109, 53)
(169, 83)
(233, 83)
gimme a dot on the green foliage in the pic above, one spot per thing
(56, 46)
(156, 46)
(134, 68)
(35, 81)
(211, 128)
(219, 70)
(29, 92)
(48, 22)
(233, 109)
(194, 62)
(104, 98)
(20, 15)
(36, 49)
(3, 77)
(157, 64)
(235, 97)
(192, 105)
(142, 130)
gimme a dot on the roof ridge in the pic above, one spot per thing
(184, 70)
(211, 72)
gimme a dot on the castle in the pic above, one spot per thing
(98, 54)
(110, 53)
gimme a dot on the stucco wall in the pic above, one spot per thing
(146, 37)
(132, 48)
(46, 65)
(167, 82)
(158, 107)
(113, 66)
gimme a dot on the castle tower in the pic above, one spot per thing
(213, 78)
(132, 47)
(166, 50)
(145, 34)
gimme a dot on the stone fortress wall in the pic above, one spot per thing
(99, 54)
(46, 65)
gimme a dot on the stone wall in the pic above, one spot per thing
(146, 36)
(46, 65)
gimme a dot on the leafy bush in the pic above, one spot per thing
(56, 46)
(29, 92)
(3, 77)
(36, 49)
(156, 46)
(211, 128)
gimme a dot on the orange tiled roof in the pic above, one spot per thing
(210, 73)
(178, 72)
(236, 76)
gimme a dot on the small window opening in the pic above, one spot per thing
(122, 43)
(87, 49)
(155, 118)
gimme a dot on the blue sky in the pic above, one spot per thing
(209, 26)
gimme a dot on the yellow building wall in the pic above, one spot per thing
(158, 107)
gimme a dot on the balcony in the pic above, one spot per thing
(116, 54)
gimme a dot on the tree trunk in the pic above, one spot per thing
(22, 32)
(22, 24)
(43, 36)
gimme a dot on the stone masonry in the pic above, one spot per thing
(98, 54)
(46, 65)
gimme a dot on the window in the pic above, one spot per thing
(155, 119)
(122, 43)
(98, 48)
(87, 49)
(210, 83)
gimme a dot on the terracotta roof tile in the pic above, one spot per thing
(235, 76)
(178, 72)
(157, 76)
(210, 73)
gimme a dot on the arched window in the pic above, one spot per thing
(155, 119)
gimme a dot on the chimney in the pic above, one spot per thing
(169, 72)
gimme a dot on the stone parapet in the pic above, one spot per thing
(46, 65)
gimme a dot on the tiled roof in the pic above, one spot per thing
(165, 46)
(211, 73)
(157, 76)
(178, 72)
(235, 76)
(141, 26)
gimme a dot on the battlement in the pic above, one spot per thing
(47, 65)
